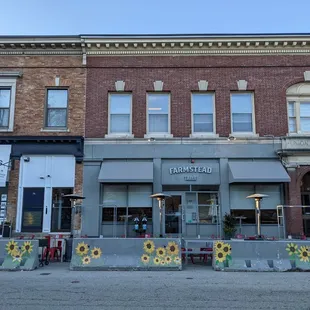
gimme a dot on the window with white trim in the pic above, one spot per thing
(5, 104)
(298, 108)
(299, 115)
(202, 113)
(158, 113)
(56, 108)
(242, 112)
(120, 113)
(7, 100)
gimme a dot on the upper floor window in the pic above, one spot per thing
(298, 106)
(158, 111)
(202, 113)
(120, 113)
(7, 99)
(242, 114)
(57, 108)
(5, 103)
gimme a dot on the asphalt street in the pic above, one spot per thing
(199, 287)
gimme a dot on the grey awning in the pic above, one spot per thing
(126, 172)
(256, 172)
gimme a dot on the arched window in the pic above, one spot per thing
(298, 104)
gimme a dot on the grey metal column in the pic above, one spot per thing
(157, 188)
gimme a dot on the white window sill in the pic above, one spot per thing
(119, 136)
(301, 134)
(244, 135)
(55, 130)
(203, 135)
(158, 135)
(6, 130)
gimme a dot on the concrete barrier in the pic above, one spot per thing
(19, 254)
(261, 255)
(126, 254)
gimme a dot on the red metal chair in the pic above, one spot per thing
(190, 255)
(52, 252)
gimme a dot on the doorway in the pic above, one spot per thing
(33, 206)
(305, 200)
(173, 215)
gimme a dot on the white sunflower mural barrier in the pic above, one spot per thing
(19, 254)
(131, 254)
(262, 255)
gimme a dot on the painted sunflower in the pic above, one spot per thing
(17, 256)
(162, 262)
(156, 260)
(218, 245)
(304, 254)
(177, 260)
(11, 247)
(172, 248)
(168, 259)
(292, 249)
(96, 253)
(86, 260)
(149, 246)
(82, 248)
(161, 252)
(226, 249)
(220, 256)
(27, 247)
(145, 259)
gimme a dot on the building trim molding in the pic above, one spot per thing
(234, 44)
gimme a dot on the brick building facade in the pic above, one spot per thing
(208, 120)
(42, 83)
(182, 67)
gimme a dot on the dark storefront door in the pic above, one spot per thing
(173, 215)
(33, 207)
(305, 200)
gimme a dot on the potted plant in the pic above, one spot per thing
(229, 226)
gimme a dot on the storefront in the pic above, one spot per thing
(43, 171)
(202, 188)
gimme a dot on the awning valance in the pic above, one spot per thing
(5, 152)
(257, 172)
(126, 172)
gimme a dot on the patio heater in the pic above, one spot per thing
(73, 198)
(160, 198)
(258, 198)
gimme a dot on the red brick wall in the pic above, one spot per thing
(39, 72)
(268, 76)
(294, 219)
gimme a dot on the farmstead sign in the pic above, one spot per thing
(190, 169)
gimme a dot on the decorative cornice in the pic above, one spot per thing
(259, 44)
(195, 45)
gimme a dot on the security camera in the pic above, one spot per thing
(26, 159)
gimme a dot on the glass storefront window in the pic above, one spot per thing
(269, 217)
(61, 210)
(207, 207)
(248, 214)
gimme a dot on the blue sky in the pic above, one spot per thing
(67, 17)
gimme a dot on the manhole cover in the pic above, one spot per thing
(189, 278)
(45, 274)
(75, 281)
